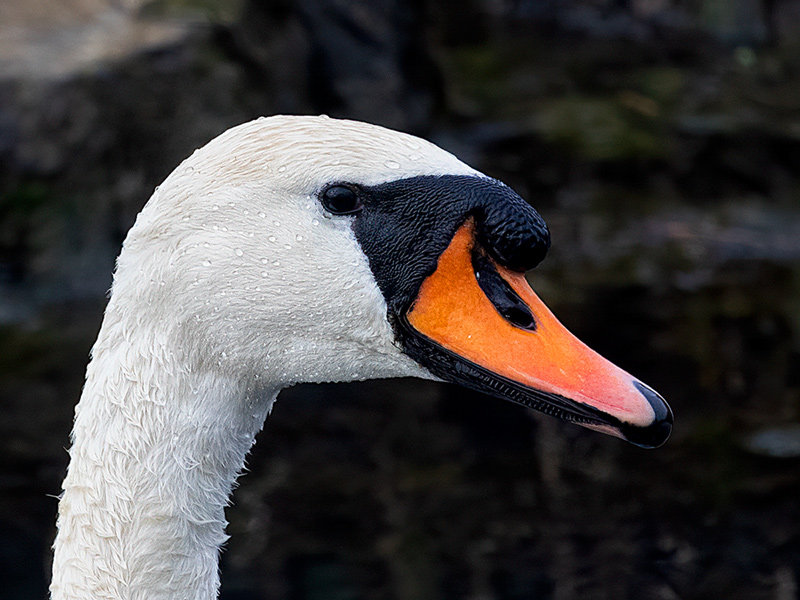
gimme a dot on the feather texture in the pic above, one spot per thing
(232, 284)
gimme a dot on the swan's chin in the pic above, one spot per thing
(479, 324)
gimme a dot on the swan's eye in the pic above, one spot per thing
(341, 200)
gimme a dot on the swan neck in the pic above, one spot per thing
(157, 446)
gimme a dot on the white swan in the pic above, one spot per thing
(298, 249)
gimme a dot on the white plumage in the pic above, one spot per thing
(232, 284)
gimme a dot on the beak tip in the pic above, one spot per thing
(658, 431)
(652, 436)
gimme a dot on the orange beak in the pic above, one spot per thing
(490, 319)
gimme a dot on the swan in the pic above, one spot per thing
(299, 249)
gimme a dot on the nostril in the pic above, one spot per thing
(501, 294)
(520, 317)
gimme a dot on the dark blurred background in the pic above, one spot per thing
(661, 141)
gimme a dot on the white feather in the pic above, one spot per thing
(232, 284)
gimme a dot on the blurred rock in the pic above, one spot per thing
(367, 61)
(46, 40)
(776, 442)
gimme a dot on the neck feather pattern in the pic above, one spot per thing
(157, 447)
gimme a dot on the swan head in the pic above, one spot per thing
(309, 249)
